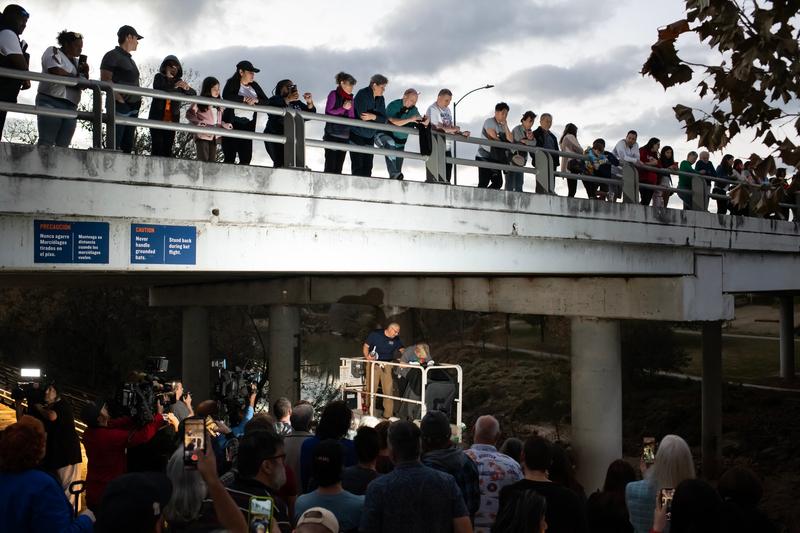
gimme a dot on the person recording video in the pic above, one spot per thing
(63, 451)
(106, 441)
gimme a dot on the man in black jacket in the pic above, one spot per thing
(545, 139)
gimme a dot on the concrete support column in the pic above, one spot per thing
(596, 398)
(712, 399)
(195, 348)
(284, 370)
(787, 337)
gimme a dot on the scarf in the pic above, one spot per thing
(343, 94)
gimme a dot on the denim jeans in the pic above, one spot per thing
(514, 181)
(125, 135)
(394, 165)
(55, 131)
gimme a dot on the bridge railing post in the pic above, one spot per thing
(290, 132)
(299, 142)
(699, 194)
(97, 118)
(435, 169)
(630, 184)
(545, 176)
(111, 119)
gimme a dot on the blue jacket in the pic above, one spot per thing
(32, 501)
(366, 102)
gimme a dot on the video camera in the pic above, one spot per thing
(139, 397)
(30, 386)
(234, 387)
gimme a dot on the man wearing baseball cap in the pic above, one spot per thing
(118, 66)
(134, 503)
(317, 520)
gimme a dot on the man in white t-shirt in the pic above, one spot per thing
(626, 149)
(13, 54)
(442, 120)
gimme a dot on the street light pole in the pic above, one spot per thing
(455, 145)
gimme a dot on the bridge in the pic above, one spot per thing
(200, 235)
(285, 237)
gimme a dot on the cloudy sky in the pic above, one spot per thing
(578, 59)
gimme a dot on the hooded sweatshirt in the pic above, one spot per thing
(455, 462)
(158, 109)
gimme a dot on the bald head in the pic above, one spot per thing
(487, 430)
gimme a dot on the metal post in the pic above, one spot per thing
(299, 142)
(423, 408)
(630, 184)
(435, 170)
(712, 399)
(97, 118)
(289, 131)
(545, 179)
(787, 337)
(455, 147)
(698, 194)
(111, 119)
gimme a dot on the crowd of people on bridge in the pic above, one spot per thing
(285, 471)
(734, 183)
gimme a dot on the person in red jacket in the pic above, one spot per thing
(106, 441)
(648, 154)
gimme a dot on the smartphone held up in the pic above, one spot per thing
(194, 441)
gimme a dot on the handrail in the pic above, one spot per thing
(357, 123)
(295, 141)
(214, 102)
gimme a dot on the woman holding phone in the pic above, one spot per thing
(62, 60)
(241, 88)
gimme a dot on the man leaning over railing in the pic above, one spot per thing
(118, 66)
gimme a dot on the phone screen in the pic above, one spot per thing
(194, 440)
(649, 450)
(260, 514)
(666, 501)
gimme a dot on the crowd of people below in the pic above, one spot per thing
(285, 471)
(734, 184)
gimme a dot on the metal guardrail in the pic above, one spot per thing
(361, 387)
(295, 141)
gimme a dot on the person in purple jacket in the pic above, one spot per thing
(339, 104)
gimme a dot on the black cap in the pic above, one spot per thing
(246, 65)
(435, 425)
(133, 502)
(126, 30)
(90, 412)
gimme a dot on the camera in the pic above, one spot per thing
(30, 386)
(233, 387)
(140, 395)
